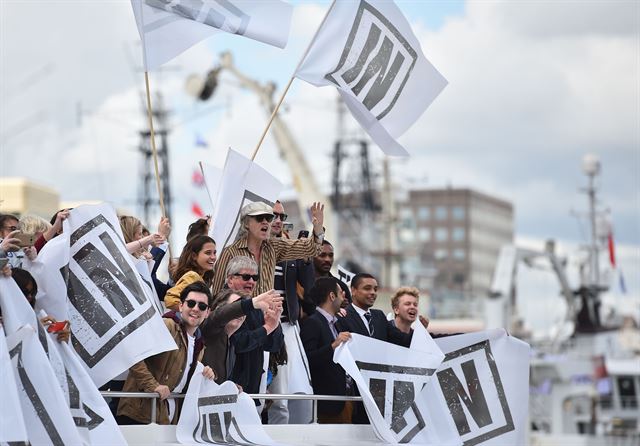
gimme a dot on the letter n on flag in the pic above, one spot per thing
(368, 51)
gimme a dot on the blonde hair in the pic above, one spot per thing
(410, 290)
(129, 226)
(32, 224)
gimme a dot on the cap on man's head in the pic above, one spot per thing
(256, 208)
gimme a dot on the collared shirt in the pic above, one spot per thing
(273, 251)
(331, 319)
(361, 313)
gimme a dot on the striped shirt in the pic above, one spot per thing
(274, 250)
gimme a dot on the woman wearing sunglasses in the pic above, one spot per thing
(254, 241)
(195, 265)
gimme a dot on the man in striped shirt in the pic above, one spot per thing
(254, 241)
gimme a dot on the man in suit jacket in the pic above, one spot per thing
(320, 338)
(366, 321)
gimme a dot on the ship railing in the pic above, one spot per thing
(256, 396)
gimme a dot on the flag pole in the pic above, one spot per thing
(286, 89)
(154, 151)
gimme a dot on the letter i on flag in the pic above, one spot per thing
(367, 50)
(169, 27)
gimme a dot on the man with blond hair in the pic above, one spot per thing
(404, 304)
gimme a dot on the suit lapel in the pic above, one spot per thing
(360, 328)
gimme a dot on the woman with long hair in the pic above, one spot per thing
(194, 265)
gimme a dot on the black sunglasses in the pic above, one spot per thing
(263, 217)
(282, 216)
(246, 277)
(192, 303)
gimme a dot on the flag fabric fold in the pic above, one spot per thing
(368, 51)
(167, 28)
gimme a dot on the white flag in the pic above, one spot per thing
(89, 278)
(367, 50)
(390, 379)
(219, 414)
(169, 27)
(242, 182)
(12, 428)
(483, 385)
(43, 404)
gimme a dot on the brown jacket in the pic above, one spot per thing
(165, 368)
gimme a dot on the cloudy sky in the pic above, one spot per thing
(533, 87)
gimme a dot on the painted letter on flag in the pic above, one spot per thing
(368, 51)
(89, 278)
(169, 27)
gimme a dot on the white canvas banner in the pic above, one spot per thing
(169, 27)
(368, 51)
(12, 428)
(297, 366)
(390, 379)
(89, 278)
(483, 384)
(84, 397)
(43, 404)
(242, 182)
(218, 414)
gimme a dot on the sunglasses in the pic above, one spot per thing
(246, 277)
(263, 217)
(192, 303)
(282, 217)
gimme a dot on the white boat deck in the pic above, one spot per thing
(289, 434)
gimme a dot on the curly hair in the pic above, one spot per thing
(412, 291)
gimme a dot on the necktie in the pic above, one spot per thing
(332, 327)
(369, 319)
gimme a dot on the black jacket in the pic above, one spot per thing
(327, 377)
(288, 275)
(249, 343)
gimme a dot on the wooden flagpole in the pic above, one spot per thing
(286, 90)
(154, 151)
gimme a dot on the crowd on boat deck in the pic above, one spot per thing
(265, 313)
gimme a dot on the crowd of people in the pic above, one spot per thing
(265, 313)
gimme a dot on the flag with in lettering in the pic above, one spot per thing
(367, 50)
(169, 27)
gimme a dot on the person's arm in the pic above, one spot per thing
(275, 340)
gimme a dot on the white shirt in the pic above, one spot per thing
(191, 340)
(362, 312)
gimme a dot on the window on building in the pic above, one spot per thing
(459, 254)
(424, 234)
(441, 213)
(407, 235)
(457, 235)
(457, 212)
(440, 254)
(424, 213)
(442, 234)
(406, 218)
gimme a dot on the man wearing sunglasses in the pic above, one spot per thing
(254, 241)
(259, 334)
(169, 372)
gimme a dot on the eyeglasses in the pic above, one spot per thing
(10, 228)
(263, 217)
(192, 303)
(281, 216)
(246, 277)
